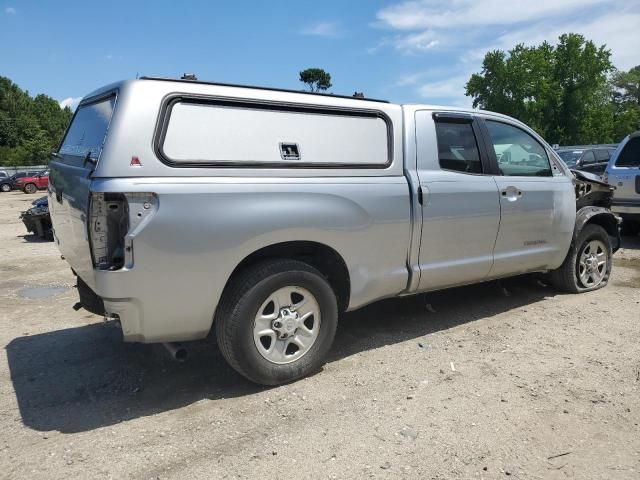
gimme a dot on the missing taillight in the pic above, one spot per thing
(116, 218)
(108, 227)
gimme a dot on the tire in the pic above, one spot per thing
(570, 277)
(5, 187)
(252, 304)
(30, 188)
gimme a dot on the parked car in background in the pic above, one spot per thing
(623, 172)
(5, 182)
(37, 219)
(34, 183)
(593, 160)
(9, 183)
(263, 213)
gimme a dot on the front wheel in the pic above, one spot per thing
(5, 187)
(30, 188)
(588, 263)
(276, 321)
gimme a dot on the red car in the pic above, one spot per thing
(33, 184)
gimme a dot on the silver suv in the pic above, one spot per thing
(184, 206)
(623, 172)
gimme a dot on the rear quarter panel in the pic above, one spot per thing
(204, 228)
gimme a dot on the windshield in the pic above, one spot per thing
(88, 129)
(570, 157)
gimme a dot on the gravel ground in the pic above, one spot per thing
(492, 381)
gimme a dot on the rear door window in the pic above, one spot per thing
(630, 154)
(518, 153)
(88, 129)
(457, 147)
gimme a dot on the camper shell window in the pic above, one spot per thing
(197, 132)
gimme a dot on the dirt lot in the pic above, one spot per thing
(491, 381)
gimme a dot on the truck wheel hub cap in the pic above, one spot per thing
(286, 325)
(592, 266)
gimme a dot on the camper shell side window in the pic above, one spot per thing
(218, 132)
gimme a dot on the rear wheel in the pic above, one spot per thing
(276, 321)
(588, 263)
(5, 187)
(30, 188)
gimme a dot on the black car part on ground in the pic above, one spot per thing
(37, 219)
(593, 203)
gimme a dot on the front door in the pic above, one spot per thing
(537, 207)
(460, 202)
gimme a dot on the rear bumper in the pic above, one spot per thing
(149, 317)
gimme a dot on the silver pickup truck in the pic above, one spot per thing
(186, 206)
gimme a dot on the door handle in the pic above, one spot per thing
(512, 193)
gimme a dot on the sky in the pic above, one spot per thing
(420, 51)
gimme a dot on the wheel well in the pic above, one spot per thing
(320, 256)
(606, 221)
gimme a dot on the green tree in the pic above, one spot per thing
(626, 102)
(627, 86)
(627, 121)
(561, 91)
(30, 128)
(316, 79)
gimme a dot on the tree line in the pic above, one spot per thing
(30, 127)
(570, 93)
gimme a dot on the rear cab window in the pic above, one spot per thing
(458, 147)
(86, 134)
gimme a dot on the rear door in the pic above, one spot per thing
(460, 204)
(70, 178)
(537, 206)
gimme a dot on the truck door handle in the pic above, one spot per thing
(511, 193)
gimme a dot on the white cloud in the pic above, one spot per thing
(10, 11)
(71, 102)
(410, 79)
(458, 33)
(449, 90)
(322, 29)
(423, 14)
(109, 56)
(417, 42)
